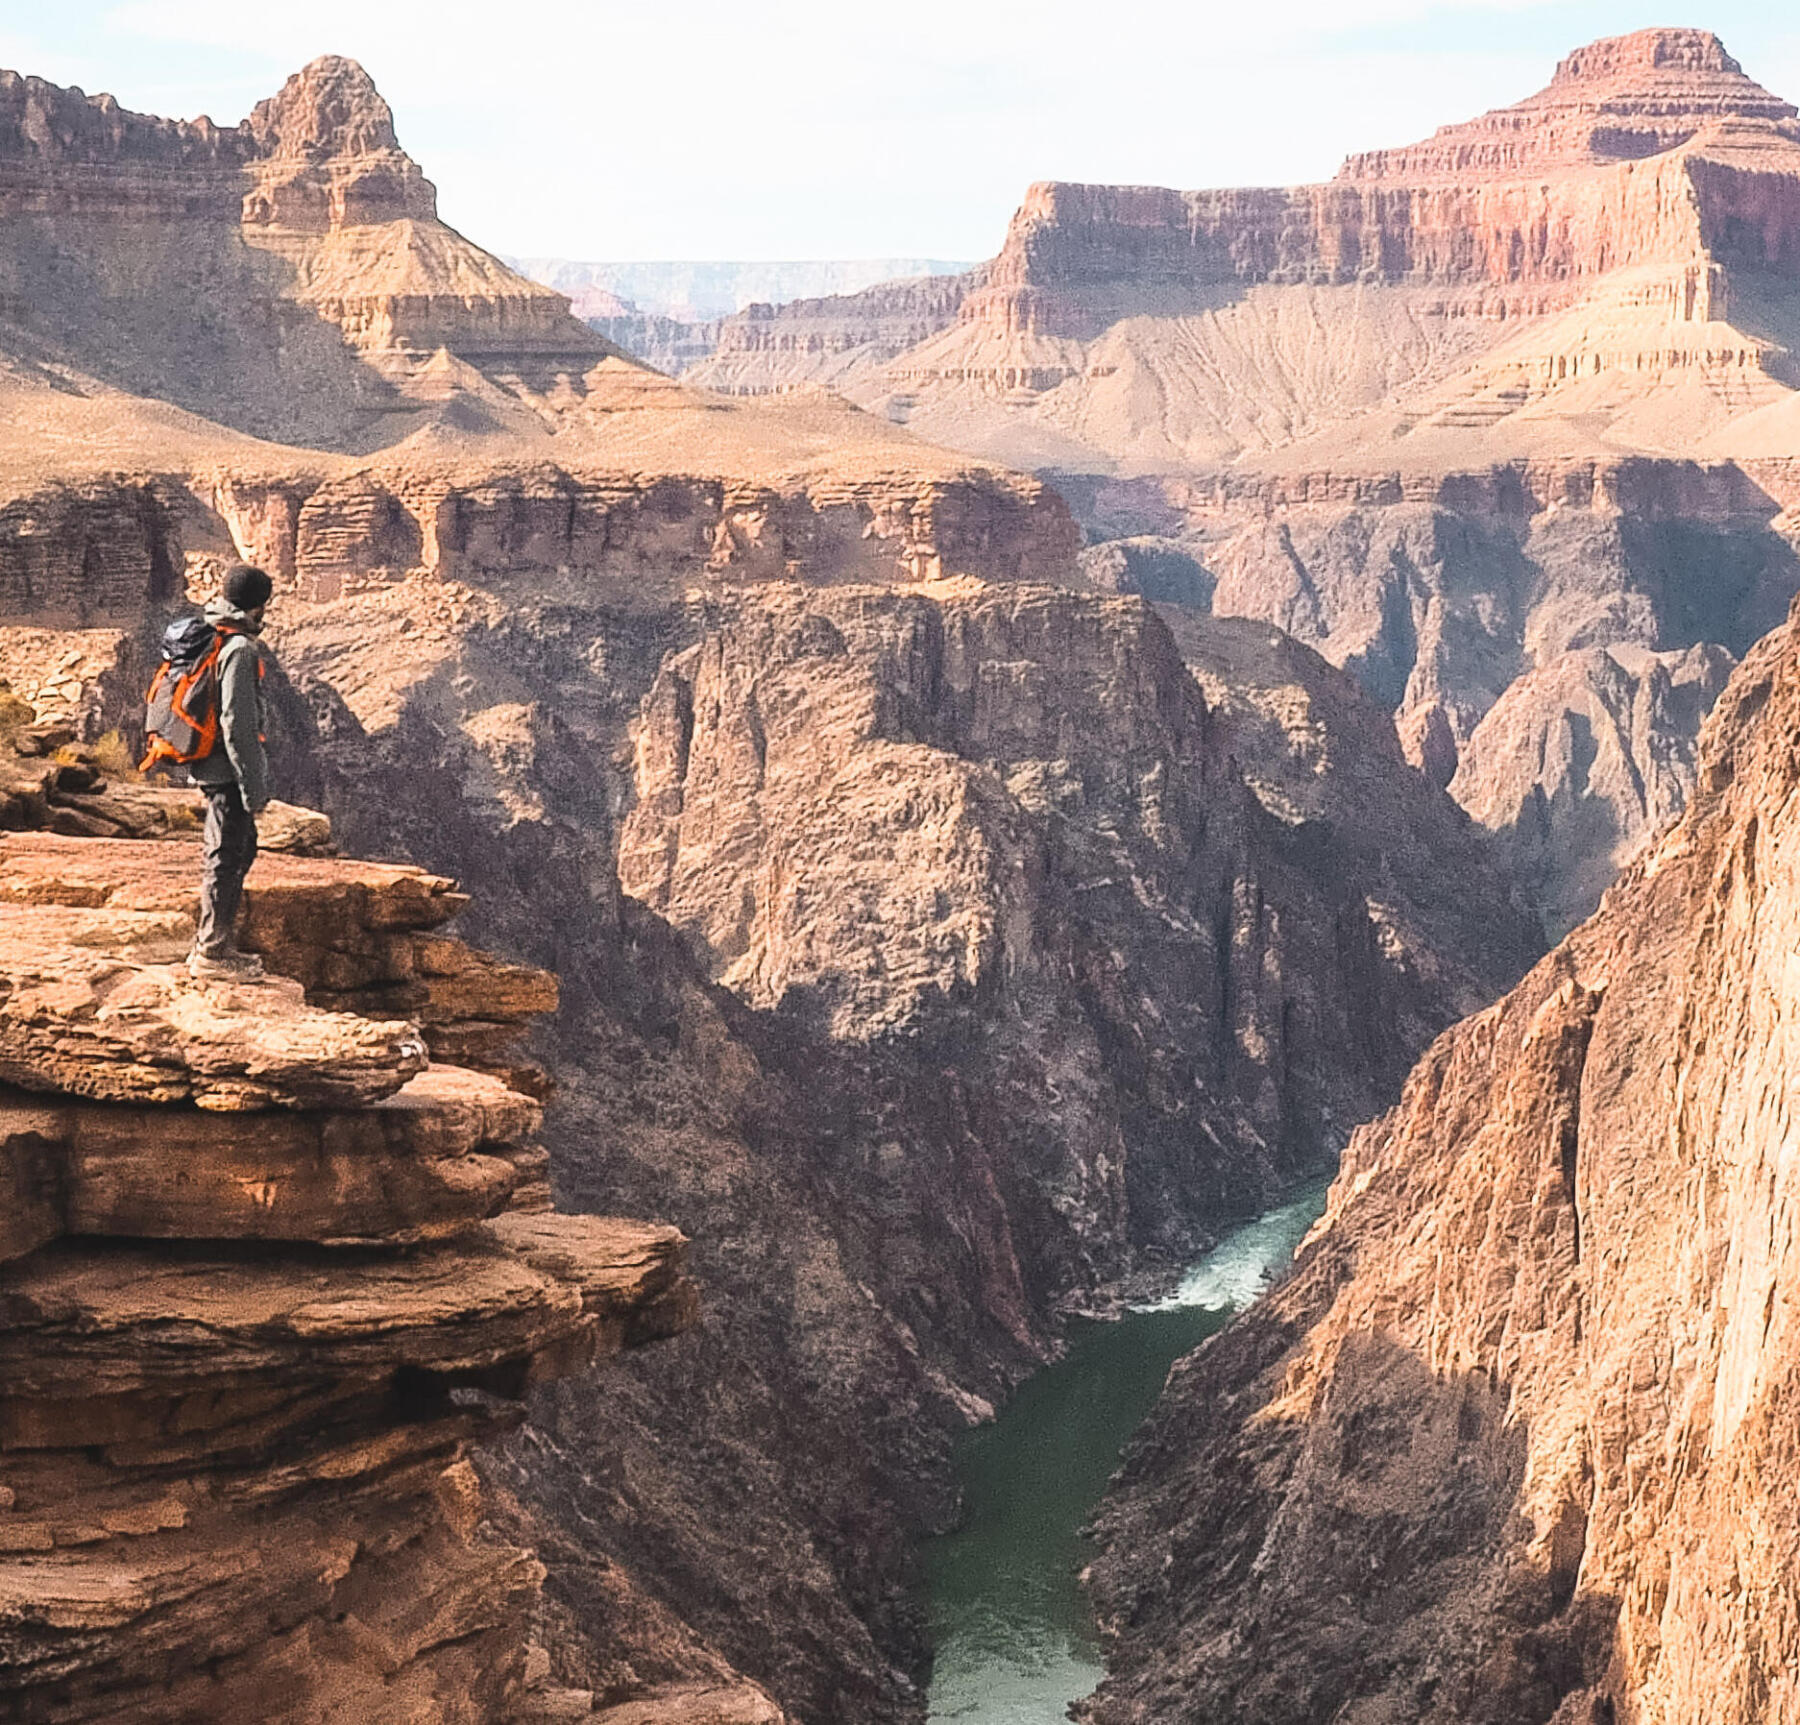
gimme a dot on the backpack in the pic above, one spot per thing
(181, 710)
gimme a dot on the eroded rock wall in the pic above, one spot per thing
(1512, 1443)
(1495, 617)
(265, 1278)
(913, 816)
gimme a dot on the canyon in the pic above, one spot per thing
(1512, 1441)
(949, 969)
(925, 955)
(1384, 412)
(943, 842)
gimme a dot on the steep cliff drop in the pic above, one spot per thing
(268, 1269)
(956, 970)
(1515, 1442)
(1115, 994)
(1522, 392)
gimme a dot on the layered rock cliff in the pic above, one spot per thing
(1650, 156)
(1561, 303)
(1513, 1440)
(288, 276)
(266, 1274)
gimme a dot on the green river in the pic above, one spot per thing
(1014, 1642)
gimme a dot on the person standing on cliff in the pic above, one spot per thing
(234, 774)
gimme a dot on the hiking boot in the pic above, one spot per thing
(224, 967)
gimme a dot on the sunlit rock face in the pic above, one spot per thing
(1519, 390)
(1513, 1441)
(288, 276)
(265, 1278)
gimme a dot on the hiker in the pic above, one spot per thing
(234, 774)
(206, 713)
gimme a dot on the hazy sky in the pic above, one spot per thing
(618, 129)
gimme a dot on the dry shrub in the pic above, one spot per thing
(113, 756)
(15, 712)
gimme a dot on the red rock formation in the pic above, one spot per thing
(1514, 1443)
(308, 211)
(233, 1474)
(1621, 99)
(1646, 150)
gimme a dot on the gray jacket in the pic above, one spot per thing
(239, 754)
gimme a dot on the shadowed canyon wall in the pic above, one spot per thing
(1512, 1441)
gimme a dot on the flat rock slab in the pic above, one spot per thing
(632, 1275)
(49, 868)
(82, 1022)
(82, 1320)
(450, 1149)
(141, 1616)
(358, 936)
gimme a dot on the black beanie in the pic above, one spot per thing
(246, 588)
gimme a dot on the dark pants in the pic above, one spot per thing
(227, 853)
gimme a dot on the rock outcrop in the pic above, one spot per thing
(244, 1353)
(1513, 1441)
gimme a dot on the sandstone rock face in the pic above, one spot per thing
(233, 1454)
(89, 564)
(1513, 1441)
(295, 280)
(88, 1023)
(358, 939)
